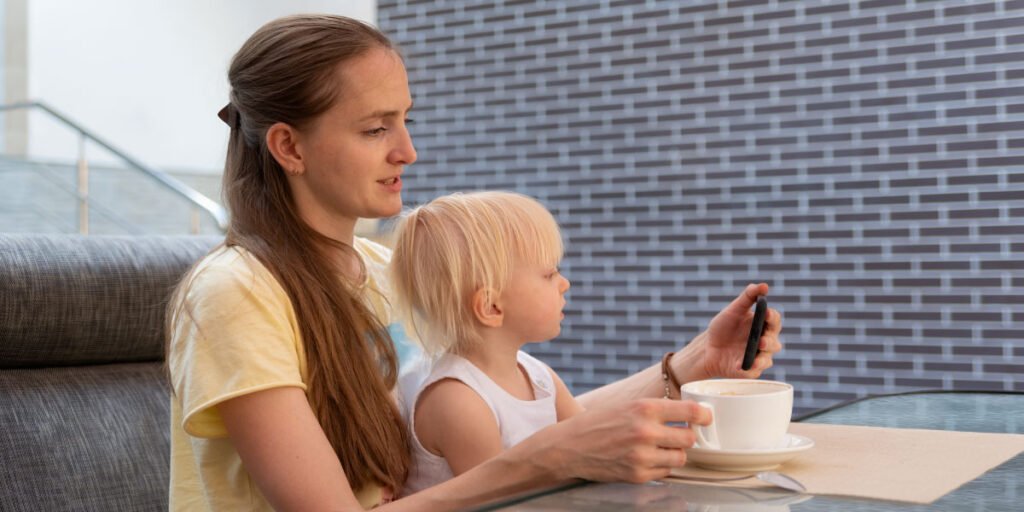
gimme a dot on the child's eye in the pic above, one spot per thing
(552, 274)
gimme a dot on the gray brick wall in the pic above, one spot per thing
(864, 158)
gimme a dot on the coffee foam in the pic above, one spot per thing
(739, 388)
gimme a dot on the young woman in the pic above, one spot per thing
(280, 361)
(476, 277)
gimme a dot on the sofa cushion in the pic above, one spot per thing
(84, 438)
(68, 299)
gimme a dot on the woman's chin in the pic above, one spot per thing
(383, 211)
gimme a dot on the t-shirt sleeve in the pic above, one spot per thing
(235, 334)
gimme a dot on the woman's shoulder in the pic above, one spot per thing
(230, 270)
(372, 251)
(229, 260)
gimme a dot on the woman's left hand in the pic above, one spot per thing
(724, 342)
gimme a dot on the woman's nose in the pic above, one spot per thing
(404, 153)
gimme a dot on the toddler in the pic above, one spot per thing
(476, 278)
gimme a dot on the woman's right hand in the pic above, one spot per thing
(631, 442)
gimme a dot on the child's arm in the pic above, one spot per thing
(454, 422)
(565, 405)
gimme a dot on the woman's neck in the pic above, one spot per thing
(339, 230)
(342, 229)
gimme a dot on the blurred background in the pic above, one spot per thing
(862, 157)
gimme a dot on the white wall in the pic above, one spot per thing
(148, 76)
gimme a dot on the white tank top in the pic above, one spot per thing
(517, 419)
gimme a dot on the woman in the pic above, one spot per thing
(279, 355)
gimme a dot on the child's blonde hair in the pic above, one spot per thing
(452, 247)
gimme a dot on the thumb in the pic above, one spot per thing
(746, 299)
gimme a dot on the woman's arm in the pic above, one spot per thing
(626, 442)
(716, 352)
(285, 451)
(290, 460)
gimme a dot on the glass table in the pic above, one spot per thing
(999, 489)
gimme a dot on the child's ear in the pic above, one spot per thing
(486, 309)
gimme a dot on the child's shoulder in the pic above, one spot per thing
(532, 363)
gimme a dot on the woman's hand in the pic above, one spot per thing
(718, 351)
(630, 442)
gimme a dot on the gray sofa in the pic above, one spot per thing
(84, 403)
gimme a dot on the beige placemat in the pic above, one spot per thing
(911, 465)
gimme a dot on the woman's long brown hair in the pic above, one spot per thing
(286, 73)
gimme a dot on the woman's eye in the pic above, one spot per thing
(376, 131)
(410, 121)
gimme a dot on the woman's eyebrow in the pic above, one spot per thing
(384, 114)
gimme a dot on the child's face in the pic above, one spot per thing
(533, 302)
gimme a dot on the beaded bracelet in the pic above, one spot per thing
(667, 376)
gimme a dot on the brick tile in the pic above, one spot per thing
(980, 42)
(951, 28)
(918, 383)
(1013, 22)
(944, 62)
(926, 14)
(979, 385)
(890, 365)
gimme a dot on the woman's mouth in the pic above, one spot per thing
(393, 184)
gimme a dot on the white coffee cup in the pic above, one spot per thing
(747, 414)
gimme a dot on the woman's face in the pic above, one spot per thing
(354, 154)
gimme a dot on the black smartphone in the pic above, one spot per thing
(760, 311)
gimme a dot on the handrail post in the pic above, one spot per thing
(83, 188)
(195, 220)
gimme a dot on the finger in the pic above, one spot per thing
(669, 458)
(675, 437)
(770, 338)
(770, 345)
(763, 362)
(773, 322)
(686, 411)
(741, 304)
(647, 474)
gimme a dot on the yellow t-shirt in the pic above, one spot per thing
(241, 336)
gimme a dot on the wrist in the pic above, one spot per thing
(541, 458)
(668, 377)
(688, 364)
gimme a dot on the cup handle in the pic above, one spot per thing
(707, 436)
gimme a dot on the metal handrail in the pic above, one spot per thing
(218, 212)
(49, 174)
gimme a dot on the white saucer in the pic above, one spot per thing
(749, 460)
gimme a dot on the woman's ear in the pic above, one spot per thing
(282, 142)
(486, 309)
